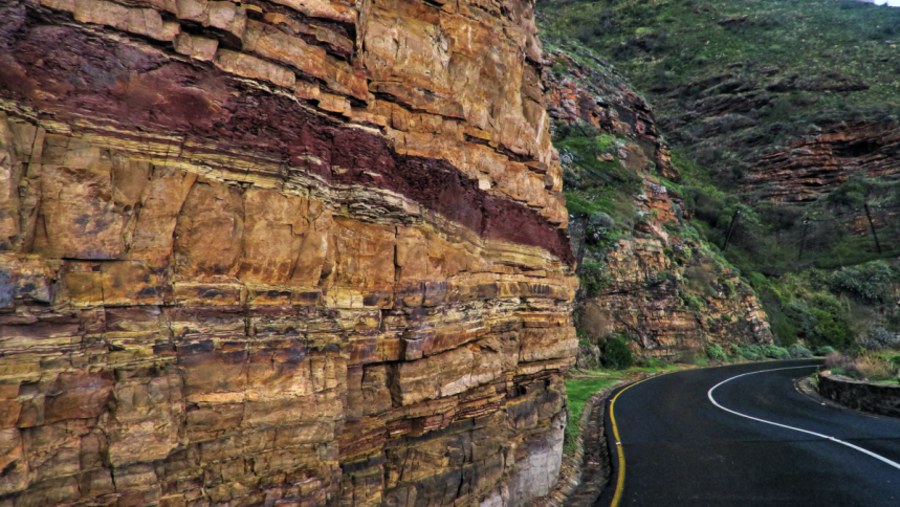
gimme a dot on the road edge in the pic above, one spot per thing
(570, 488)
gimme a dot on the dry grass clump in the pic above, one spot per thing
(875, 367)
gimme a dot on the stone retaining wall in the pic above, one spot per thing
(878, 399)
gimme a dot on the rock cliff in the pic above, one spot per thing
(281, 252)
(811, 167)
(646, 274)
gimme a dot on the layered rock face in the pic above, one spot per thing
(811, 167)
(278, 252)
(662, 287)
(595, 94)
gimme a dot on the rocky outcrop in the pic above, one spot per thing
(278, 252)
(656, 281)
(595, 94)
(812, 167)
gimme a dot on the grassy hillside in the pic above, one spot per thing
(750, 94)
(730, 78)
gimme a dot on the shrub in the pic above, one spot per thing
(826, 351)
(692, 302)
(840, 364)
(593, 278)
(879, 338)
(822, 319)
(598, 226)
(616, 354)
(775, 352)
(873, 367)
(799, 351)
(716, 353)
(870, 281)
(750, 352)
(851, 194)
(757, 280)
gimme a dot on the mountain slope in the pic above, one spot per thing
(782, 117)
(648, 278)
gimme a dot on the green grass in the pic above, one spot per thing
(582, 384)
(670, 50)
(578, 391)
(668, 45)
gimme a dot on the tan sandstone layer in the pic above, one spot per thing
(288, 252)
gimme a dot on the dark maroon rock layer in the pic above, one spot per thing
(66, 71)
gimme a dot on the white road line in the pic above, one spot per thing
(867, 452)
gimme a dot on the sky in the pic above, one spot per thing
(892, 3)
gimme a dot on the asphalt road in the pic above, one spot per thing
(681, 449)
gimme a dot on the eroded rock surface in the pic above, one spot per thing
(662, 287)
(278, 252)
(811, 167)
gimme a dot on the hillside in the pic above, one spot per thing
(782, 120)
(648, 277)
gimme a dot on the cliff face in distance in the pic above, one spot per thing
(647, 275)
(278, 252)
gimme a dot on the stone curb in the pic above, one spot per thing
(858, 395)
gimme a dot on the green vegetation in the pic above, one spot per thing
(825, 351)
(599, 196)
(879, 367)
(616, 354)
(578, 390)
(871, 281)
(787, 64)
(799, 351)
(730, 81)
(778, 238)
(800, 305)
(593, 278)
(596, 180)
(716, 353)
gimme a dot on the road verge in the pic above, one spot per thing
(586, 471)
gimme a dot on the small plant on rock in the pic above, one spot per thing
(616, 354)
(716, 353)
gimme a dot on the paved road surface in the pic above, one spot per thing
(681, 449)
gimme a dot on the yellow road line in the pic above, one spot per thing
(620, 479)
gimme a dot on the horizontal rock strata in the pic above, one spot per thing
(278, 252)
(811, 167)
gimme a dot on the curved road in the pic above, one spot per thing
(681, 449)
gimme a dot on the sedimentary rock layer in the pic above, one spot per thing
(811, 167)
(663, 288)
(287, 252)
